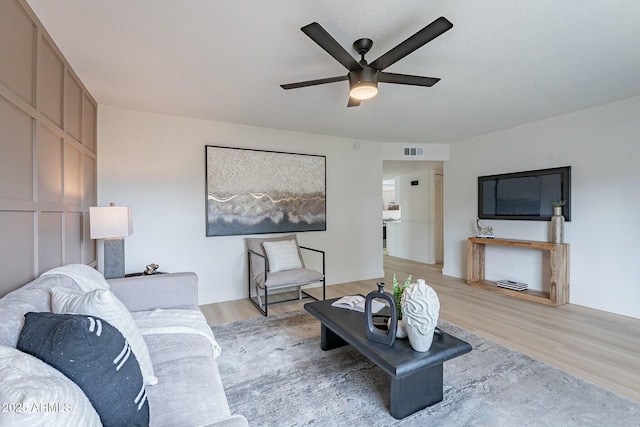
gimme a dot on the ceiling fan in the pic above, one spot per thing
(364, 77)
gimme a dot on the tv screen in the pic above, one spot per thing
(524, 195)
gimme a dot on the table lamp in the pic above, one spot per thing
(112, 224)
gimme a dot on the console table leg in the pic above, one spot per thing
(329, 340)
(415, 392)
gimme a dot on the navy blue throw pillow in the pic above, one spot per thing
(95, 356)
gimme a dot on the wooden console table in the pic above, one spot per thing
(559, 263)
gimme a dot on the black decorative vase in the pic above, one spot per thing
(374, 334)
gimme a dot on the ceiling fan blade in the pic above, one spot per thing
(329, 44)
(416, 41)
(405, 79)
(313, 82)
(353, 102)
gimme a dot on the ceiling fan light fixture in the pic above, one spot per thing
(364, 90)
(363, 83)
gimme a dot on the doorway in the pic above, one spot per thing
(418, 233)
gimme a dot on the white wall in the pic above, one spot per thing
(412, 238)
(602, 146)
(156, 164)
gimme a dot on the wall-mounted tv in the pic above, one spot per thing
(524, 195)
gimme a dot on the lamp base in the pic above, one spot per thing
(113, 258)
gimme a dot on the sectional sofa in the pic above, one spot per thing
(55, 330)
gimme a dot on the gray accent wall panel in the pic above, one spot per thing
(88, 248)
(49, 240)
(73, 107)
(73, 237)
(16, 153)
(89, 124)
(89, 193)
(17, 41)
(48, 153)
(17, 259)
(72, 175)
(50, 83)
(49, 170)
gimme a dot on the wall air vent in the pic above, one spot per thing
(413, 152)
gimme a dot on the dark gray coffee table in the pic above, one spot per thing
(416, 378)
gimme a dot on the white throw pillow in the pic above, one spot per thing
(35, 394)
(104, 304)
(282, 255)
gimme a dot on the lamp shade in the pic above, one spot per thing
(110, 222)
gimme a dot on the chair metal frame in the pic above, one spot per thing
(301, 294)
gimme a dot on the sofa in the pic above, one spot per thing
(44, 383)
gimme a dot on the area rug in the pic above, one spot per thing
(275, 374)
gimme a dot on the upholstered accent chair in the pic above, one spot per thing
(277, 263)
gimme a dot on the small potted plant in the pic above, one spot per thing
(557, 206)
(397, 294)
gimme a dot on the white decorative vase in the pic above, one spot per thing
(557, 225)
(420, 310)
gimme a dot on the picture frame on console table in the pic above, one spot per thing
(250, 191)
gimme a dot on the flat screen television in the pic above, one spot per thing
(524, 195)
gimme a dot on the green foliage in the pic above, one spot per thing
(397, 293)
(558, 203)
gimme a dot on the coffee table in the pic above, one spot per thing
(416, 378)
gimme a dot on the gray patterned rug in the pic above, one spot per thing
(275, 374)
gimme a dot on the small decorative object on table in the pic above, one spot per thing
(483, 230)
(374, 334)
(397, 294)
(356, 303)
(510, 284)
(420, 310)
(151, 269)
(557, 222)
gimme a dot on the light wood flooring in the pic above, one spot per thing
(600, 347)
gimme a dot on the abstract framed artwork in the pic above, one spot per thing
(252, 191)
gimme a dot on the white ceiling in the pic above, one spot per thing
(504, 63)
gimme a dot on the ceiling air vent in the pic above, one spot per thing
(413, 152)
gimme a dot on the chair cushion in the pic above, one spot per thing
(95, 356)
(282, 255)
(256, 245)
(282, 279)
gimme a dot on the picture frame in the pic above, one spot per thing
(251, 191)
